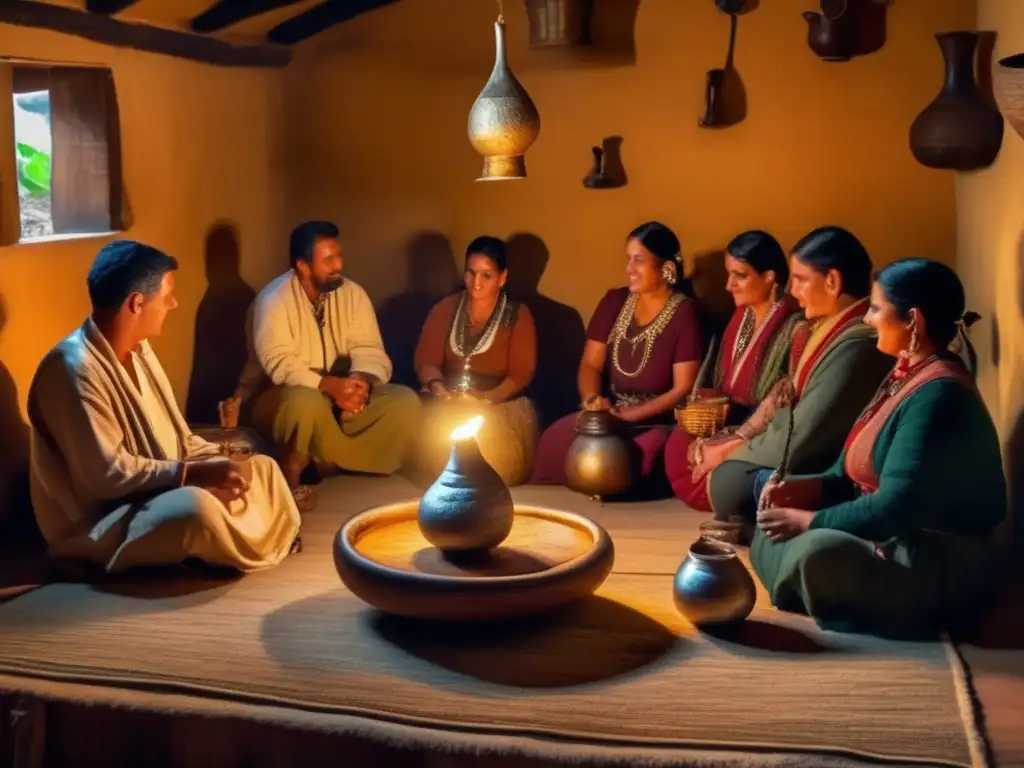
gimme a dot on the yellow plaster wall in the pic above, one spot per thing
(990, 250)
(199, 144)
(377, 136)
(368, 128)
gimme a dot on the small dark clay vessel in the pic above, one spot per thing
(712, 586)
(469, 507)
(596, 178)
(600, 459)
(713, 99)
(830, 36)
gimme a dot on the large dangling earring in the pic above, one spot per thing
(668, 273)
(776, 293)
(903, 359)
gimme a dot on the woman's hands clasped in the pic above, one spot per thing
(787, 508)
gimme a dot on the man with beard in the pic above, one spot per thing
(316, 338)
(117, 477)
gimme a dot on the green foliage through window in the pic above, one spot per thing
(33, 170)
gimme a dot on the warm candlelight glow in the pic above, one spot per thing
(469, 429)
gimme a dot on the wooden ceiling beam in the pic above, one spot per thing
(108, 7)
(223, 14)
(319, 18)
(140, 37)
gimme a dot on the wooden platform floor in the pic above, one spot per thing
(995, 654)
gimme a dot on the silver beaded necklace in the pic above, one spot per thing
(460, 328)
(648, 335)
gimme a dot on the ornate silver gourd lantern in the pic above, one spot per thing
(504, 121)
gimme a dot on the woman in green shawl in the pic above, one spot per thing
(834, 369)
(895, 539)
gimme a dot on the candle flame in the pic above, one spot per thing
(469, 429)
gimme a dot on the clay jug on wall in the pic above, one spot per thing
(960, 130)
(830, 38)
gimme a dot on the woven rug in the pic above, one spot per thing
(620, 678)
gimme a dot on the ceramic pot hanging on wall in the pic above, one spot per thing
(559, 22)
(960, 130)
(503, 122)
(725, 100)
(1008, 83)
(830, 32)
(847, 28)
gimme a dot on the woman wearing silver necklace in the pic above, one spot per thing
(833, 370)
(751, 359)
(477, 353)
(647, 338)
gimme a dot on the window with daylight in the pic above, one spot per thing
(67, 150)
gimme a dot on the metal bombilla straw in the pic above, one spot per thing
(779, 474)
(705, 367)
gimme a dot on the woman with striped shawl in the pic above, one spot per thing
(751, 359)
(834, 370)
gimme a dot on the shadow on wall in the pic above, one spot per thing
(432, 274)
(613, 28)
(1013, 529)
(986, 50)
(16, 519)
(560, 330)
(871, 27)
(707, 281)
(221, 349)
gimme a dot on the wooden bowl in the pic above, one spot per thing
(550, 558)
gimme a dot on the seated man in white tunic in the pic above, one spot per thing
(318, 385)
(117, 477)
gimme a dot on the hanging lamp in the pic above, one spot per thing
(503, 122)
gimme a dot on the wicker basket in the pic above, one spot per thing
(1008, 82)
(704, 416)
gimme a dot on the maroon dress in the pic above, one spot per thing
(680, 341)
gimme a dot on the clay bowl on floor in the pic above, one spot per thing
(550, 558)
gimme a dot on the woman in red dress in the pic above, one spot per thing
(753, 354)
(647, 338)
